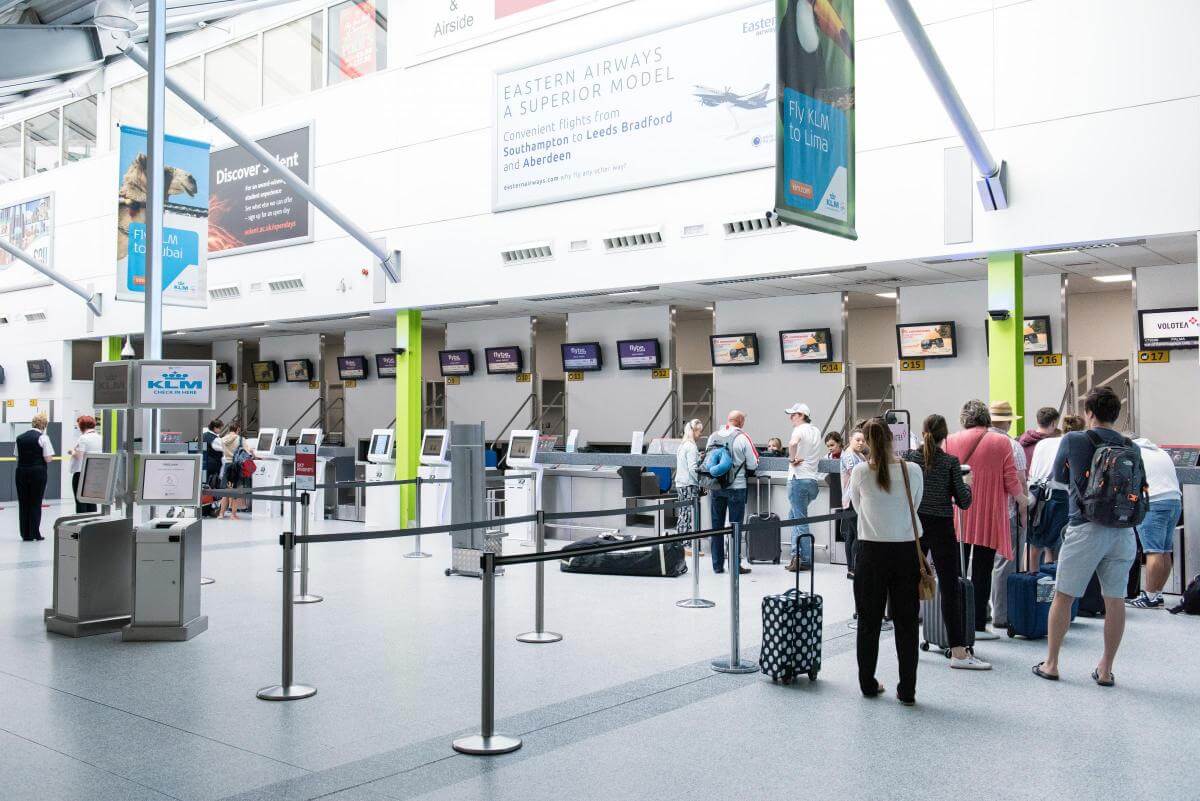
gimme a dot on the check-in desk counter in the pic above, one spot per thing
(1187, 536)
(579, 482)
(769, 487)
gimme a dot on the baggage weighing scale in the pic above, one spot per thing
(166, 574)
(93, 558)
(435, 464)
(383, 503)
(268, 470)
(522, 491)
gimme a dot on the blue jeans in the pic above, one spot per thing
(801, 492)
(733, 501)
(1157, 531)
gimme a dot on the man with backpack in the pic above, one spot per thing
(1106, 481)
(728, 457)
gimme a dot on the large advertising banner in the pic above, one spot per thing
(689, 102)
(450, 26)
(30, 227)
(249, 205)
(814, 171)
(185, 220)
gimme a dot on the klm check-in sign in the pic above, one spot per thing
(181, 385)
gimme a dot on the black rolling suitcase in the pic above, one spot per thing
(763, 533)
(935, 632)
(1092, 602)
(792, 628)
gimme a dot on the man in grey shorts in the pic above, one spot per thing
(1089, 547)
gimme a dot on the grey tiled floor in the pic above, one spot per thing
(624, 707)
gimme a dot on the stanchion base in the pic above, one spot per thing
(292, 692)
(539, 637)
(478, 745)
(724, 666)
(417, 555)
(205, 581)
(307, 599)
(696, 603)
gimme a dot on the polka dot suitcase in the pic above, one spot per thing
(792, 629)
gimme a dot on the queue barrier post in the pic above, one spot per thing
(735, 663)
(696, 602)
(416, 552)
(291, 504)
(304, 597)
(287, 689)
(487, 742)
(539, 635)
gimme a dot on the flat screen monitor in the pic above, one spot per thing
(98, 479)
(310, 437)
(193, 446)
(937, 340)
(806, 345)
(381, 446)
(224, 373)
(505, 360)
(1169, 329)
(1037, 334)
(433, 445)
(385, 365)
(520, 448)
(1, 375)
(265, 372)
(39, 371)
(266, 442)
(581, 357)
(733, 350)
(170, 479)
(112, 385)
(638, 354)
(352, 368)
(456, 362)
(297, 370)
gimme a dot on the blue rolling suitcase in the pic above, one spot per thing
(1029, 598)
(1051, 569)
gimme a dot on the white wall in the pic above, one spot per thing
(872, 335)
(1166, 393)
(227, 351)
(1102, 324)
(692, 330)
(433, 339)
(945, 384)
(283, 402)
(551, 334)
(490, 398)
(372, 403)
(610, 405)
(764, 390)
(1044, 385)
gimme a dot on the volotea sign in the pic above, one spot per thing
(814, 168)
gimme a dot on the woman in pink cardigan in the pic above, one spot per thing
(984, 527)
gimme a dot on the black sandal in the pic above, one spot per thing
(1110, 682)
(1037, 671)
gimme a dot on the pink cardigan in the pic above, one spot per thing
(993, 478)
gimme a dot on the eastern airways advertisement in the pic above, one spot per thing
(689, 102)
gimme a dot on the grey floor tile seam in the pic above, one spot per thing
(26, 565)
(148, 720)
(564, 715)
(93, 765)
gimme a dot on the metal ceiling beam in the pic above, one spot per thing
(41, 52)
(92, 299)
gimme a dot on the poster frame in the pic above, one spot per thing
(49, 194)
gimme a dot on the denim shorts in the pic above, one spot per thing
(1157, 531)
(1089, 548)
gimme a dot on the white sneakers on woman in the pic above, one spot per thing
(971, 662)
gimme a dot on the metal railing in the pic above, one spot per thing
(845, 400)
(530, 398)
(704, 401)
(888, 401)
(327, 411)
(1068, 399)
(556, 404)
(671, 396)
(320, 415)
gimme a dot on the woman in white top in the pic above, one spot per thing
(887, 569)
(88, 442)
(687, 480)
(1045, 530)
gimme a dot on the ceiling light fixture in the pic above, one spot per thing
(115, 15)
(886, 295)
(1113, 279)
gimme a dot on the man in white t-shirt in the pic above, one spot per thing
(805, 450)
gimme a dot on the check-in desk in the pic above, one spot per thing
(578, 482)
(771, 481)
(1187, 537)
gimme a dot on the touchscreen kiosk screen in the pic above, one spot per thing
(308, 439)
(381, 444)
(94, 482)
(266, 441)
(165, 480)
(433, 445)
(520, 448)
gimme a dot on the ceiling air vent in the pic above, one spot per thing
(227, 292)
(633, 240)
(293, 283)
(754, 225)
(953, 260)
(35, 316)
(693, 230)
(256, 287)
(784, 277)
(580, 245)
(541, 251)
(604, 293)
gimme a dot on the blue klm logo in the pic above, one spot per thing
(174, 381)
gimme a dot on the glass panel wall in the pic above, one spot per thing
(180, 116)
(10, 153)
(41, 143)
(79, 130)
(357, 39)
(127, 107)
(231, 77)
(292, 59)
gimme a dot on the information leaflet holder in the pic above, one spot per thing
(166, 576)
(383, 503)
(93, 557)
(268, 470)
(522, 483)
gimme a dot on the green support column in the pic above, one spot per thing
(1006, 338)
(112, 353)
(409, 394)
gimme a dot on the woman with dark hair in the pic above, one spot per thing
(885, 491)
(945, 488)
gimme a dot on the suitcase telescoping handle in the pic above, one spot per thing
(812, 570)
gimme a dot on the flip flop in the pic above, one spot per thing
(1112, 679)
(1037, 671)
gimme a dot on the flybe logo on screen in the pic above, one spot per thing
(174, 383)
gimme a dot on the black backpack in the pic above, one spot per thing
(1189, 602)
(1116, 493)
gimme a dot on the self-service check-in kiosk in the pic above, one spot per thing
(268, 469)
(93, 558)
(435, 466)
(383, 503)
(521, 482)
(166, 572)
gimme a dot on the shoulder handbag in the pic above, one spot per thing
(927, 587)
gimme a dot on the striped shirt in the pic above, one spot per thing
(944, 485)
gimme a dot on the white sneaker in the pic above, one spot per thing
(986, 634)
(970, 663)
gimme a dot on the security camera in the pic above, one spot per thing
(399, 351)
(771, 215)
(999, 315)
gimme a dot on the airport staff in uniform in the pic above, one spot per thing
(34, 452)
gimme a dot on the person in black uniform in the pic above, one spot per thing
(34, 453)
(210, 447)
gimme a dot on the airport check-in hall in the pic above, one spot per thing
(605, 399)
